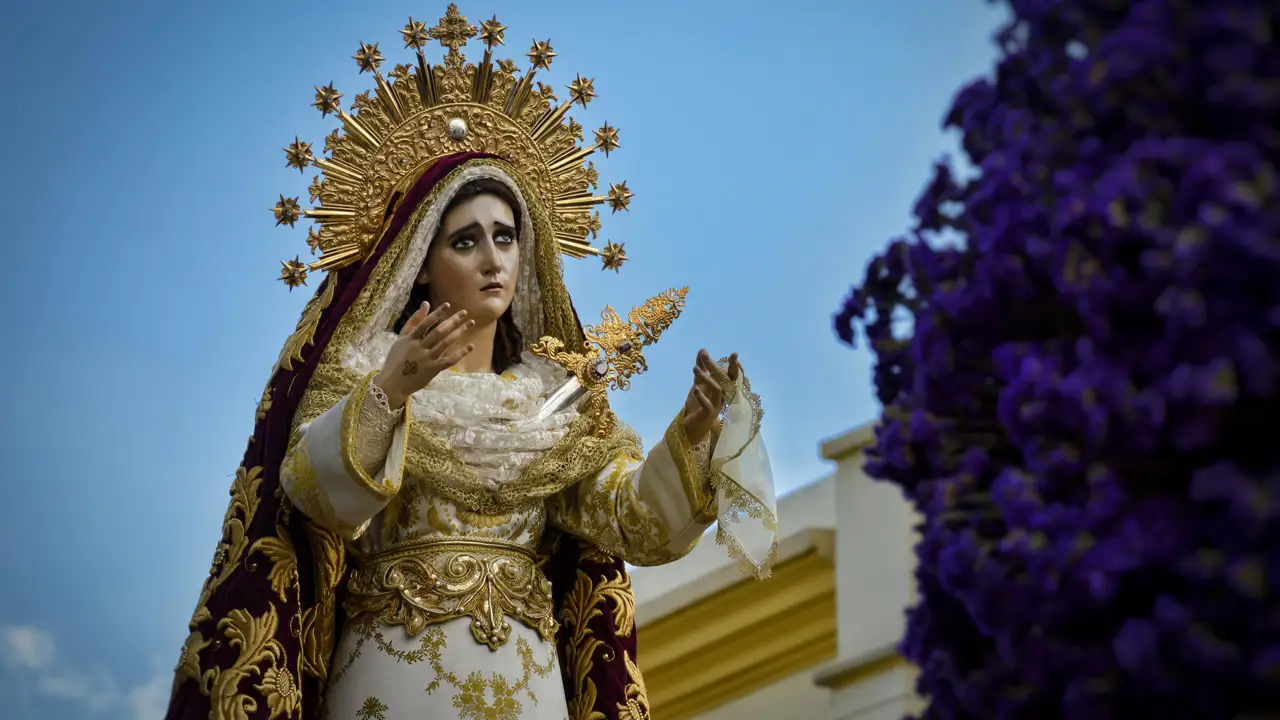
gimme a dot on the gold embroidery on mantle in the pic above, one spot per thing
(284, 561)
(582, 605)
(259, 654)
(637, 705)
(429, 581)
(245, 496)
(318, 627)
(245, 490)
(305, 333)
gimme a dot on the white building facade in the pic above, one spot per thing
(817, 641)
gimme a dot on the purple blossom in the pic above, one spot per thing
(1081, 397)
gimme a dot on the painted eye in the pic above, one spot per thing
(462, 243)
(504, 237)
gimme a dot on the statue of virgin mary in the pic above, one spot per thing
(422, 525)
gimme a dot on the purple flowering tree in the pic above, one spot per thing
(1078, 356)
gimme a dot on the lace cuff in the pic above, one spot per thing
(374, 428)
(693, 463)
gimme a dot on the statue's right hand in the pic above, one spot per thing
(429, 344)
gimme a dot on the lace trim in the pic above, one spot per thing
(734, 501)
(374, 430)
(362, 463)
(695, 475)
(380, 397)
(515, 462)
(761, 570)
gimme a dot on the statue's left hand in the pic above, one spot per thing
(702, 406)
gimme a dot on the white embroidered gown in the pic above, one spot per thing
(453, 618)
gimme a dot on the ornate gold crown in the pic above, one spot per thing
(420, 113)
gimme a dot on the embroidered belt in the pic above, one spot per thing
(429, 581)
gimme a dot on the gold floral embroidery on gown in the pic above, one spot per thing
(448, 614)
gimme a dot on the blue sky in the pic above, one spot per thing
(771, 146)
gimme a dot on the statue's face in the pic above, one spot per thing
(474, 260)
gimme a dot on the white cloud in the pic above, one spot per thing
(151, 701)
(26, 647)
(32, 653)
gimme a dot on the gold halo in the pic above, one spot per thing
(400, 127)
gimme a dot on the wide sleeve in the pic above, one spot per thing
(653, 511)
(646, 511)
(343, 467)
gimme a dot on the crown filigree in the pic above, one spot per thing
(420, 112)
(613, 351)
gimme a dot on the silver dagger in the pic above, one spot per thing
(569, 393)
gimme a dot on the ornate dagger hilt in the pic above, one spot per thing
(611, 355)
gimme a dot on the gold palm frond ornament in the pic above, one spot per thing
(420, 112)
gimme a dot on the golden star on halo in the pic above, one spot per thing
(620, 196)
(415, 34)
(613, 256)
(582, 90)
(298, 154)
(453, 30)
(491, 32)
(540, 55)
(293, 273)
(368, 58)
(607, 139)
(327, 100)
(507, 65)
(287, 211)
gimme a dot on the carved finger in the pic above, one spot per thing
(693, 409)
(705, 402)
(735, 369)
(444, 329)
(415, 319)
(456, 353)
(708, 385)
(430, 321)
(703, 377)
(441, 347)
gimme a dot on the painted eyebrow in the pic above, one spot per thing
(476, 226)
(463, 230)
